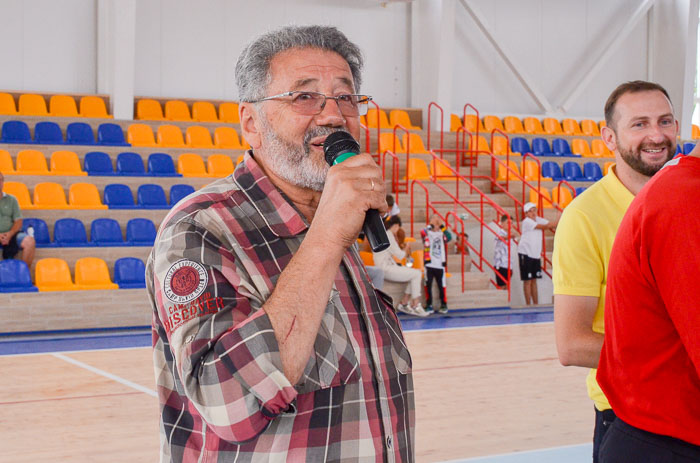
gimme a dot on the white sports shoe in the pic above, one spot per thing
(405, 309)
(419, 310)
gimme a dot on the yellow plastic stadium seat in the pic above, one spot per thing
(20, 192)
(84, 196)
(149, 110)
(226, 138)
(598, 149)
(530, 171)
(533, 126)
(7, 105)
(695, 132)
(92, 273)
(470, 123)
(418, 259)
(219, 165)
(552, 126)
(562, 196)
(49, 195)
(204, 111)
(570, 127)
(602, 123)
(375, 118)
(417, 169)
(455, 122)
(170, 136)
(228, 112)
(500, 146)
(177, 110)
(31, 104)
(66, 163)
(590, 128)
(513, 124)
(31, 162)
(191, 165)
(580, 146)
(607, 166)
(482, 145)
(416, 145)
(492, 122)
(386, 143)
(140, 135)
(504, 173)
(400, 117)
(53, 274)
(363, 120)
(440, 170)
(6, 164)
(546, 198)
(94, 106)
(63, 105)
(367, 258)
(197, 136)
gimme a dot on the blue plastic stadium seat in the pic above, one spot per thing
(79, 133)
(551, 169)
(130, 273)
(69, 233)
(679, 150)
(98, 163)
(140, 232)
(111, 134)
(580, 190)
(560, 147)
(106, 232)
(520, 145)
(688, 147)
(118, 196)
(41, 232)
(48, 133)
(15, 277)
(177, 192)
(130, 164)
(151, 196)
(15, 132)
(161, 165)
(572, 172)
(592, 171)
(540, 147)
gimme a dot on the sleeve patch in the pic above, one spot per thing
(185, 281)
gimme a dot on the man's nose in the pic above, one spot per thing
(330, 115)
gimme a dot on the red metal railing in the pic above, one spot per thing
(368, 149)
(442, 125)
(376, 106)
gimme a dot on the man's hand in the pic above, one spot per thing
(352, 187)
(4, 238)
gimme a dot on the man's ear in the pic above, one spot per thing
(609, 138)
(249, 118)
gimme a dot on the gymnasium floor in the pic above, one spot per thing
(489, 389)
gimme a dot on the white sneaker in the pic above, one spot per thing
(419, 310)
(404, 308)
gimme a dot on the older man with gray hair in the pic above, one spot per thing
(270, 342)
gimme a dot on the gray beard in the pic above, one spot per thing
(292, 162)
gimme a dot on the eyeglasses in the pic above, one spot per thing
(312, 103)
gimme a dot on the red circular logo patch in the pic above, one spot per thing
(184, 281)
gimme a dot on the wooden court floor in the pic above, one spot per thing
(479, 391)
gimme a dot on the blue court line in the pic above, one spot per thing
(581, 453)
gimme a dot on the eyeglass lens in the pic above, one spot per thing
(313, 103)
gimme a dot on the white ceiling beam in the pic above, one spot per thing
(507, 57)
(606, 52)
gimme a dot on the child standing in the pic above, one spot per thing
(435, 238)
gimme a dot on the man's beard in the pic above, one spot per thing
(633, 157)
(292, 162)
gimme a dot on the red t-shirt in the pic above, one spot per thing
(650, 365)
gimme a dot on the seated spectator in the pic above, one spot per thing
(12, 239)
(393, 207)
(385, 260)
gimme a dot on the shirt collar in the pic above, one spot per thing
(275, 208)
(619, 192)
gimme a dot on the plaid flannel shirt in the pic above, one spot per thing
(223, 395)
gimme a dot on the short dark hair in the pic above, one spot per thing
(389, 200)
(392, 220)
(504, 217)
(634, 86)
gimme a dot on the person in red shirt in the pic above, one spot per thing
(649, 367)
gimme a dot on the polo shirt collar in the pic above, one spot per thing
(619, 192)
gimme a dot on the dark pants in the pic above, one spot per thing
(603, 421)
(438, 275)
(10, 250)
(626, 444)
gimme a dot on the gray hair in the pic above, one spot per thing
(253, 66)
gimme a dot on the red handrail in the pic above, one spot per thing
(394, 174)
(442, 124)
(378, 124)
(367, 147)
(478, 119)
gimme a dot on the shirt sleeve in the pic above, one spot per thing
(578, 269)
(16, 211)
(221, 341)
(394, 248)
(528, 225)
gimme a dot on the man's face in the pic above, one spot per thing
(292, 143)
(532, 213)
(644, 132)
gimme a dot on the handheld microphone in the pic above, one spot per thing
(337, 147)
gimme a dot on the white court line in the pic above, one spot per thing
(116, 378)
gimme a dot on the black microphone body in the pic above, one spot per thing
(337, 147)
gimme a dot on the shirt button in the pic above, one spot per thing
(388, 442)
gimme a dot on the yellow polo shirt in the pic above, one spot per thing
(582, 246)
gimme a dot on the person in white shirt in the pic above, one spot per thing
(530, 250)
(500, 251)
